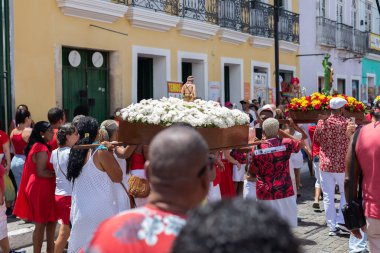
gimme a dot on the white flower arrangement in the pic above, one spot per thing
(199, 113)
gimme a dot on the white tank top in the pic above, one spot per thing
(93, 201)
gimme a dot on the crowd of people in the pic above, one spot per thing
(175, 193)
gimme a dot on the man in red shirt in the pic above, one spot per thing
(368, 153)
(331, 135)
(179, 173)
(57, 118)
(317, 173)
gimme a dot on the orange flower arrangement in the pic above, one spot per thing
(317, 101)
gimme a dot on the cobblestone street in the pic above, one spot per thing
(312, 229)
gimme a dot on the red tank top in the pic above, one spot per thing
(137, 162)
(18, 143)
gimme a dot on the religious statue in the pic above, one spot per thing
(296, 86)
(327, 65)
(188, 90)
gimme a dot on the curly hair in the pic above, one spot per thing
(63, 131)
(88, 130)
(238, 225)
(36, 137)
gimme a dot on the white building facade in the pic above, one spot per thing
(340, 28)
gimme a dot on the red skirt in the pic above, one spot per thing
(40, 199)
(227, 188)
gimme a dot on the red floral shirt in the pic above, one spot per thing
(272, 170)
(142, 230)
(331, 136)
(315, 144)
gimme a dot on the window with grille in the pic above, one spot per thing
(354, 16)
(339, 11)
(322, 8)
(368, 17)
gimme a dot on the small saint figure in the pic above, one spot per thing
(188, 90)
(296, 86)
(329, 72)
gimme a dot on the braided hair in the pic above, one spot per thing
(88, 130)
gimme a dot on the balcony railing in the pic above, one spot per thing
(262, 19)
(202, 10)
(344, 37)
(229, 14)
(326, 32)
(288, 27)
(341, 36)
(165, 6)
(248, 16)
(360, 42)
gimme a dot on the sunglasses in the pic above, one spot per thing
(209, 165)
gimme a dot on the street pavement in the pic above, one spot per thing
(312, 230)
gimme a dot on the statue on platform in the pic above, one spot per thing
(295, 82)
(188, 90)
(329, 72)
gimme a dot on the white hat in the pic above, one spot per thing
(337, 103)
(266, 108)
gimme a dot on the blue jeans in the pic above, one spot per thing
(17, 166)
(358, 245)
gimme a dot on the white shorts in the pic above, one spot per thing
(296, 161)
(249, 190)
(3, 222)
(286, 208)
(214, 193)
(238, 175)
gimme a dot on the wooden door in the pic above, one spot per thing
(144, 78)
(85, 82)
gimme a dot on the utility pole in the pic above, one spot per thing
(276, 50)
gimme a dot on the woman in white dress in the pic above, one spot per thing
(93, 173)
(296, 160)
(109, 132)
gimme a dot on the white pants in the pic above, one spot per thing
(3, 222)
(317, 172)
(328, 181)
(249, 190)
(214, 194)
(286, 208)
(141, 174)
(293, 177)
(373, 232)
(238, 175)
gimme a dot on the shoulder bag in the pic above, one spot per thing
(353, 211)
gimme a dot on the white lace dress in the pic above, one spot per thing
(93, 201)
(121, 196)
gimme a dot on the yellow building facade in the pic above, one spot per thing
(105, 55)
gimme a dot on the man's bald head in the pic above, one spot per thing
(179, 151)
